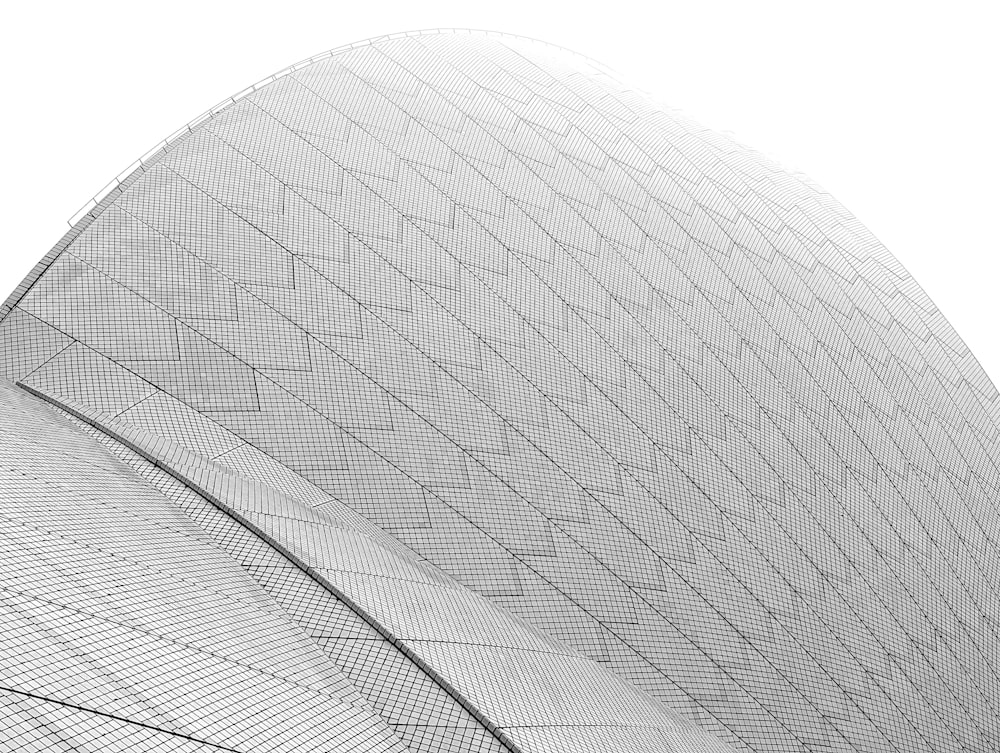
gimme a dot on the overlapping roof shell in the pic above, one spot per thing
(539, 415)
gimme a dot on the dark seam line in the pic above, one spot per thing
(313, 573)
(113, 716)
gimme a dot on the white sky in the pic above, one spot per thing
(891, 106)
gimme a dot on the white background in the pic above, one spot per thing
(892, 107)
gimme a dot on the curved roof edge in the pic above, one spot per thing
(132, 438)
(100, 201)
(636, 710)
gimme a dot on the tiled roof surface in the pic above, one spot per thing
(619, 377)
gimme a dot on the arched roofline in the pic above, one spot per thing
(96, 205)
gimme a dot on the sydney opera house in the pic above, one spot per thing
(442, 393)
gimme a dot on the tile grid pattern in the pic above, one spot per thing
(95, 654)
(396, 665)
(414, 705)
(614, 372)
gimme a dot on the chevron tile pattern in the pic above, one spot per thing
(626, 386)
